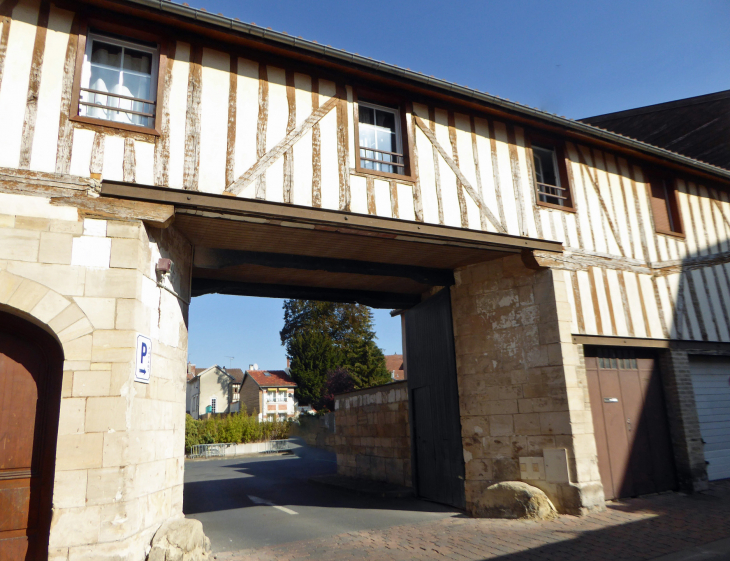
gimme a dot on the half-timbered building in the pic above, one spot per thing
(561, 284)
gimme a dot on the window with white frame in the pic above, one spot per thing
(212, 404)
(119, 80)
(380, 138)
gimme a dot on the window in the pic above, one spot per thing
(212, 404)
(551, 175)
(380, 139)
(664, 207)
(117, 73)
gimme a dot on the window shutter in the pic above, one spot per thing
(659, 206)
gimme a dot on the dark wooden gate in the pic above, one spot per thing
(30, 398)
(630, 423)
(438, 458)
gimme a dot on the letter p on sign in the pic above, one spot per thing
(143, 362)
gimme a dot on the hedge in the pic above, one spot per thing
(236, 427)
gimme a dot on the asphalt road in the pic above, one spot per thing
(267, 500)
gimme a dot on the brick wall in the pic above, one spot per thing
(372, 438)
(522, 385)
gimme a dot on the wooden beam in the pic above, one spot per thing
(387, 300)
(277, 151)
(221, 206)
(208, 258)
(460, 176)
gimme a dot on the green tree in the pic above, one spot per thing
(322, 336)
(313, 354)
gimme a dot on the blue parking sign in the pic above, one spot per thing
(143, 368)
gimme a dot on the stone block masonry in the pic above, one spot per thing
(522, 385)
(120, 447)
(372, 435)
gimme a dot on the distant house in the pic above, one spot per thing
(269, 392)
(208, 391)
(234, 397)
(394, 364)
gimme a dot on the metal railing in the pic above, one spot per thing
(553, 194)
(396, 159)
(219, 449)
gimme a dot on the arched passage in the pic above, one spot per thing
(31, 364)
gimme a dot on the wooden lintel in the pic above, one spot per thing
(156, 215)
(207, 258)
(638, 342)
(387, 300)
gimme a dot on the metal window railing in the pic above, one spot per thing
(116, 108)
(553, 194)
(396, 159)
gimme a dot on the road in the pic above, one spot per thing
(260, 501)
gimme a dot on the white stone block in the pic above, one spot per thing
(49, 306)
(91, 252)
(94, 227)
(55, 248)
(69, 489)
(72, 417)
(100, 311)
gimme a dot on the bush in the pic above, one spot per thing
(236, 428)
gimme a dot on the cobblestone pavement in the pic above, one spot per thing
(634, 529)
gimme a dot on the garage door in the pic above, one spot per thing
(711, 381)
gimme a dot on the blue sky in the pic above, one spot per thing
(573, 58)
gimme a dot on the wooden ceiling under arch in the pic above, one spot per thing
(256, 248)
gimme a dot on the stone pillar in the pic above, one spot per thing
(522, 386)
(120, 445)
(684, 425)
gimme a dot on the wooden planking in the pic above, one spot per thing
(213, 126)
(16, 71)
(393, 198)
(524, 155)
(180, 77)
(192, 120)
(516, 177)
(417, 195)
(130, 161)
(504, 166)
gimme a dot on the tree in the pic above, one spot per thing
(313, 354)
(323, 336)
(339, 380)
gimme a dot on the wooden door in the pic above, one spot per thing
(630, 424)
(438, 458)
(30, 393)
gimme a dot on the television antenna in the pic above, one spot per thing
(230, 361)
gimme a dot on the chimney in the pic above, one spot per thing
(288, 362)
(253, 366)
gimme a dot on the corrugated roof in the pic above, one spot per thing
(271, 378)
(235, 26)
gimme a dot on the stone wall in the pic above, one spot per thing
(92, 282)
(522, 386)
(372, 435)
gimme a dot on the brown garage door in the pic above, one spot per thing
(30, 395)
(629, 419)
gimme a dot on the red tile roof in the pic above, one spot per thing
(394, 363)
(271, 378)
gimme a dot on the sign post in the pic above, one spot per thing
(143, 360)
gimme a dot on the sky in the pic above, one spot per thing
(572, 58)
